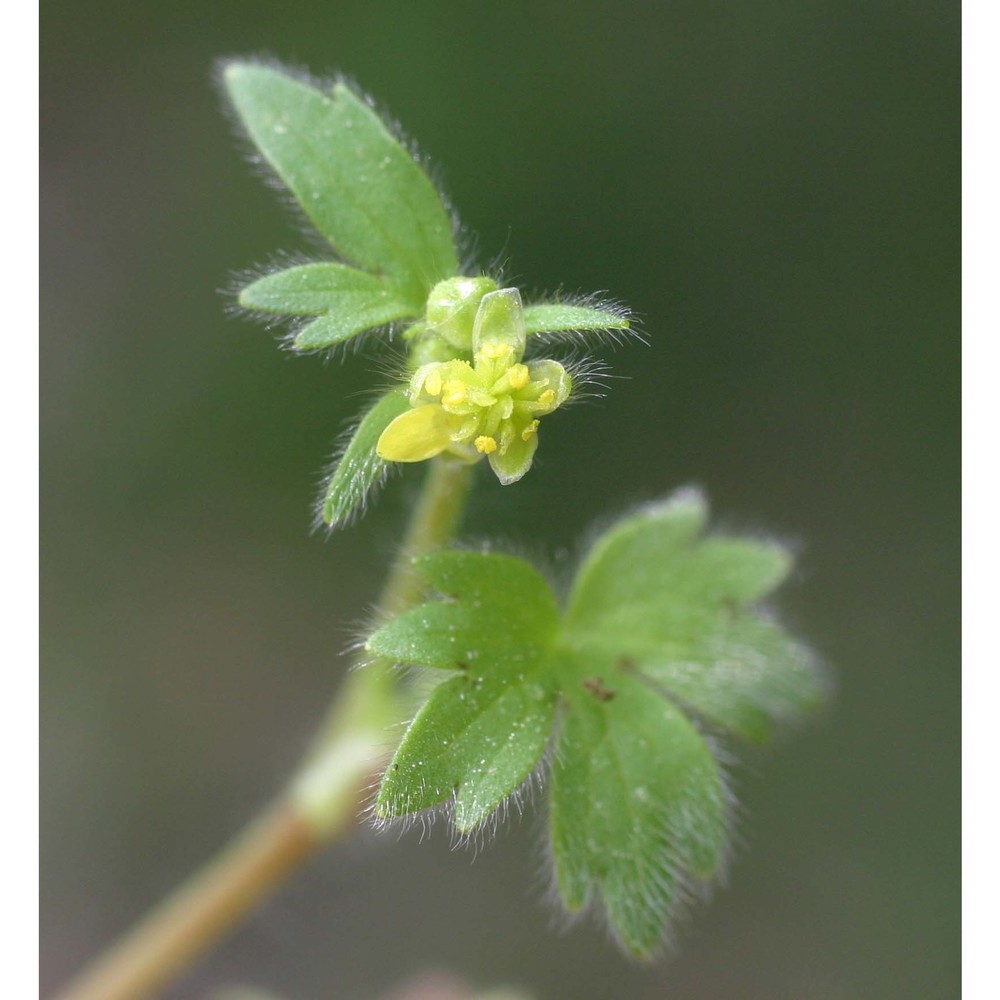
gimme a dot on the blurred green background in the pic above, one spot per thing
(774, 187)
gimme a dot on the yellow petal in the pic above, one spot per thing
(418, 434)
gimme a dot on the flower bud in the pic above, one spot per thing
(452, 307)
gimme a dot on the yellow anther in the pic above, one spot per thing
(455, 392)
(519, 376)
(495, 351)
(485, 444)
(547, 398)
(532, 428)
(432, 384)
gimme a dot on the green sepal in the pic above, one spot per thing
(500, 320)
(452, 307)
(360, 187)
(359, 469)
(515, 462)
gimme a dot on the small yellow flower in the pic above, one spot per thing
(487, 407)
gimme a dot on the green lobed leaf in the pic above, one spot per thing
(638, 806)
(346, 300)
(359, 469)
(476, 739)
(744, 673)
(661, 629)
(505, 611)
(360, 187)
(482, 732)
(682, 609)
(559, 317)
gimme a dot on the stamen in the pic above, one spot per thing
(547, 398)
(485, 444)
(495, 351)
(518, 376)
(432, 384)
(455, 392)
(528, 431)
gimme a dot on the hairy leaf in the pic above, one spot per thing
(681, 608)
(662, 630)
(337, 327)
(559, 317)
(359, 469)
(483, 731)
(743, 673)
(360, 187)
(346, 300)
(311, 289)
(638, 807)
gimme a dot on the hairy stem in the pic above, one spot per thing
(320, 806)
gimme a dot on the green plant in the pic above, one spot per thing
(614, 696)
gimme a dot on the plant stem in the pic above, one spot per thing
(319, 807)
(200, 911)
(433, 524)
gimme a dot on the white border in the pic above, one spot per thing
(981, 491)
(18, 413)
